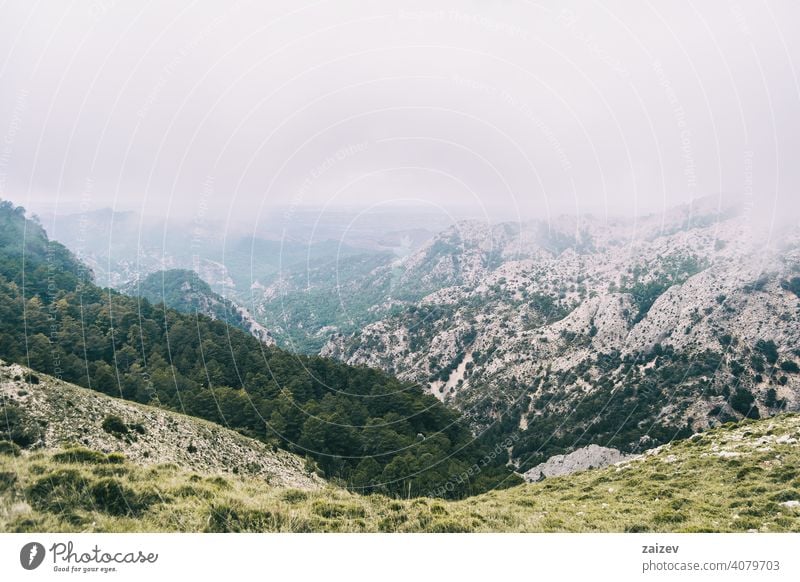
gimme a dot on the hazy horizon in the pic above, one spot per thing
(492, 110)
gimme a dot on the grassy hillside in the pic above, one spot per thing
(40, 412)
(740, 477)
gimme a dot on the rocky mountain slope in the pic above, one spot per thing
(619, 332)
(736, 478)
(42, 413)
(589, 457)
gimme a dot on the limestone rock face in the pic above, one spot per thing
(589, 457)
(687, 313)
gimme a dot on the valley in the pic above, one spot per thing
(611, 363)
(634, 330)
(358, 426)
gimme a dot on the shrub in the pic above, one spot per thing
(114, 498)
(116, 458)
(115, 426)
(109, 470)
(783, 474)
(771, 399)
(234, 517)
(790, 366)
(336, 510)
(138, 427)
(60, 491)
(448, 526)
(757, 362)
(295, 496)
(9, 448)
(743, 402)
(792, 285)
(769, 349)
(784, 495)
(669, 517)
(80, 455)
(218, 481)
(18, 428)
(7, 480)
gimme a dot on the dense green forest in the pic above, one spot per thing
(362, 427)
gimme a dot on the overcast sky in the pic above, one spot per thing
(477, 107)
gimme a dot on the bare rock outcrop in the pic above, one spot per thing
(589, 457)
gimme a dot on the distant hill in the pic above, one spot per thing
(29, 261)
(295, 276)
(184, 291)
(125, 247)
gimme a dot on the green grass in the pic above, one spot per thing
(736, 478)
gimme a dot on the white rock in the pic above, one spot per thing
(589, 457)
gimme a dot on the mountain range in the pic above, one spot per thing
(619, 332)
(531, 350)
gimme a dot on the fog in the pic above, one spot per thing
(242, 112)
